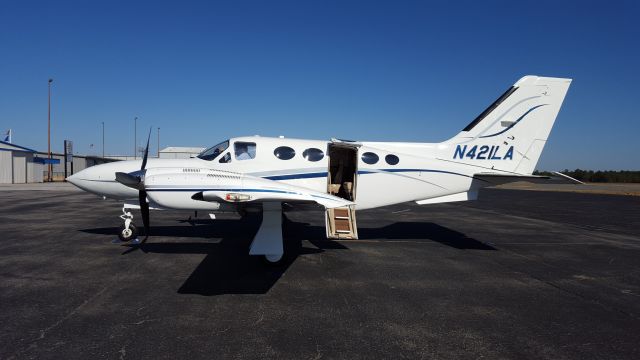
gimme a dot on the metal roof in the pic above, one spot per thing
(7, 146)
(181, 149)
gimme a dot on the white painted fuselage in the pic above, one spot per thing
(418, 175)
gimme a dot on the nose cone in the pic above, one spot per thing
(101, 179)
(87, 179)
(73, 179)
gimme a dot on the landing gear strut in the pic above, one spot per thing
(268, 240)
(128, 231)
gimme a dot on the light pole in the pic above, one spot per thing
(158, 142)
(103, 139)
(135, 137)
(49, 134)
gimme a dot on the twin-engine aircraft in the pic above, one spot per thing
(503, 144)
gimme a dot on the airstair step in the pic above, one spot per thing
(341, 212)
(341, 223)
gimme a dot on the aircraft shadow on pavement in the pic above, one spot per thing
(424, 231)
(227, 269)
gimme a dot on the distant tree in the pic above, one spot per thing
(606, 176)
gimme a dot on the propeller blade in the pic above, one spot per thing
(144, 210)
(128, 180)
(146, 152)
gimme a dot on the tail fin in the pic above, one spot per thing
(511, 133)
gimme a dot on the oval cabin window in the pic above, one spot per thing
(284, 153)
(313, 154)
(370, 158)
(391, 159)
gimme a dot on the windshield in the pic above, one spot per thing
(213, 152)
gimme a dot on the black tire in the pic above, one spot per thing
(125, 235)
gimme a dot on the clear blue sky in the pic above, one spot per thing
(369, 70)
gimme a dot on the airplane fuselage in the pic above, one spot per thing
(395, 173)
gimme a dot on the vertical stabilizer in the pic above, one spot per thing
(511, 133)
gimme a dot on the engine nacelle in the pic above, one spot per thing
(175, 188)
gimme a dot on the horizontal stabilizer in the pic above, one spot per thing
(462, 196)
(504, 178)
(567, 178)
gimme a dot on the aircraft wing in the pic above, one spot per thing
(505, 178)
(256, 189)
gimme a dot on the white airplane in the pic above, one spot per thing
(503, 144)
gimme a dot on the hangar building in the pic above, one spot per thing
(177, 152)
(20, 165)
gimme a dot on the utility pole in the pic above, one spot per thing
(50, 167)
(103, 139)
(135, 137)
(158, 142)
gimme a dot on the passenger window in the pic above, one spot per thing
(284, 153)
(313, 154)
(391, 159)
(225, 158)
(370, 158)
(245, 150)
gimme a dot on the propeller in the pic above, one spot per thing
(134, 180)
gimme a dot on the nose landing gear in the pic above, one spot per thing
(128, 231)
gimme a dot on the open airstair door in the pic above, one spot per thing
(342, 180)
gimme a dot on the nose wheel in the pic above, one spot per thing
(126, 234)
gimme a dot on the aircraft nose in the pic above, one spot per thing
(88, 179)
(79, 179)
(73, 179)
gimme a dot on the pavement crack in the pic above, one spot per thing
(561, 288)
(43, 332)
(260, 319)
(73, 312)
(144, 321)
(318, 353)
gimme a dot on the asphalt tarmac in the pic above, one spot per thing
(516, 274)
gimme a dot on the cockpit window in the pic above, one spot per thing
(244, 150)
(225, 158)
(213, 152)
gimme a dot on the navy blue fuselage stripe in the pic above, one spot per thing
(304, 176)
(426, 170)
(216, 189)
(297, 176)
(515, 122)
(360, 172)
